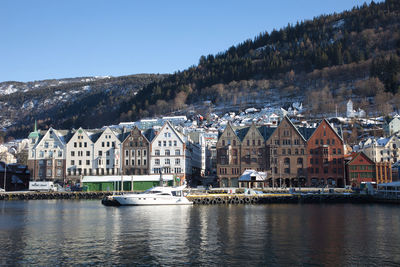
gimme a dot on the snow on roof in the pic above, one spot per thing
(252, 175)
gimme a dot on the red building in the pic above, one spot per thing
(360, 169)
(325, 150)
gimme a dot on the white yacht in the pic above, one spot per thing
(155, 196)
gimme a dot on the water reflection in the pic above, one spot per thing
(85, 232)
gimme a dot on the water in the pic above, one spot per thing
(83, 232)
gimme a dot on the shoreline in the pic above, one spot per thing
(213, 199)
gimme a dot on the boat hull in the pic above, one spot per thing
(150, 200)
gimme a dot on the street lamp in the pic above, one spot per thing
(5, 175)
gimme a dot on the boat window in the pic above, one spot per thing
(165, 194)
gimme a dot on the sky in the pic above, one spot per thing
(47, 39)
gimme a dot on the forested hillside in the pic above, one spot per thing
(324, 62)
(329, 58)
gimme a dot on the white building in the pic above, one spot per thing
(382, 149)
(46, 154)
(394, 126)
(107, 152)
(80, 156)
(173, 153)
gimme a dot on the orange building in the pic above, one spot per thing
(325, 157)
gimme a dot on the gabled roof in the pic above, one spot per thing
(266, 131)
(306, 132)
(330, 126)
(167, 123)
(357, 154)
(241, 132)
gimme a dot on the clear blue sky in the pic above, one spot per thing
(45, 39)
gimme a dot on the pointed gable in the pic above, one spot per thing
(285, 129)
(253, 134)
(360, 158)
(228, 134)
(325, 125)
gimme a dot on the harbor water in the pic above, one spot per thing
(84, 232)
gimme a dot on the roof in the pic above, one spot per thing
(266, 131)
(306, 132)
(249, 174)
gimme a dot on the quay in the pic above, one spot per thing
(213, 199)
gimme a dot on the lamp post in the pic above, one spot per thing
(5, 175)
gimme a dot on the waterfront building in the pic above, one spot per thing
(240, 149)
(360, 169)
(135, 152)
(106, 158)
(80, 153)
(130, 182)
(287, 155)
(382, 149)
(46, 154)
(326, 156)
(168, 153)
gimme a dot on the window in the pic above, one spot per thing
(49, 163)
(75, 144)
(334, 161)
(144, 162)
(339, 151)
(157, 152)
(326, 170)
(138, 153)
(328, 142)
(302, 151)
(164, 143)
(107, 153)
(333, 141)
(58, 172)
(334, 151)
(234, 142)
(322, 142)
(177, 152)
(144, 152)
(102, 144)
(133, 152)
(72, 153)
(138, 162)
(126, 162)
(72, 162)
(59, 162)
(85, 144)
(87, 162)
(87, 153)
(126, 153)
(174, 143)
(159, 143)
(157, 161)
(177, 161)
(108, 144)
(60, 153)
(167, 161)
(289, 151)
(316, 141)
(80, 162)
(248, 142)
(283, 151)
(80, 144)
(296, 151)
(316, 170)
(169, 143)
(223, 142)
(299, 160)
(167, 153)
(48, 172)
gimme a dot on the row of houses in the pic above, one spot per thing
(68, 155)
(289, 155)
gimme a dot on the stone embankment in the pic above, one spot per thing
(53, 195)
(278, 198)
(208, 199)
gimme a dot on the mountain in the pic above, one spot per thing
(322, 62)
(66, 103)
